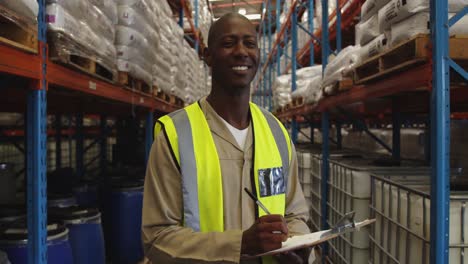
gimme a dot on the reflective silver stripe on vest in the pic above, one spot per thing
(280, 142)
(188, 168)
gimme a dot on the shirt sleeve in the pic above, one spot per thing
(297, 212)
(164, 238)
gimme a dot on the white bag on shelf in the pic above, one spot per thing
(309, 72)
(129, 37)
(397, 10)
(419, 24)
(367, 30)
(108, 7)
(374, 47)
(340, 61)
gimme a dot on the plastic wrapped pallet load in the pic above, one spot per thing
(27, 9)
(137, 30)
(129, 39)
(340, 67)
(419, 24)
(71, 35)
(282, 91)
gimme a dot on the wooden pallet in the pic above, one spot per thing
(298, 101)
(127, 80)
(172, 99)
(86, 65)
(14, 31)
(344, 85)
(405, 55)
(410, 53)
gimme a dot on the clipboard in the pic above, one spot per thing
(312, 239)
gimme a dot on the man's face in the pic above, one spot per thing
(234, 54)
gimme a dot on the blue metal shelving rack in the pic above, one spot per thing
(440, 111)
(36, 154)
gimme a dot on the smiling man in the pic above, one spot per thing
(195, 209)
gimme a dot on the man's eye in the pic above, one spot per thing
(228, 44)
(251, 44)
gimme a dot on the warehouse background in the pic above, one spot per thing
(83, 82)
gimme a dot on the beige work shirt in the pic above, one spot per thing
(166, 240)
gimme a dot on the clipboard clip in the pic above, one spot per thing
(344, 224)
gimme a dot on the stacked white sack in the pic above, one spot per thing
(83, 29)
(371, 8)
(281, 91)
(308, 84)
(167, 62)
(205, 19)
(418, 24)
(340, 67)
(137, 37)
(27, 9)
(398, 10)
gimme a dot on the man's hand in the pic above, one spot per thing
(264, 235)
(300, 256)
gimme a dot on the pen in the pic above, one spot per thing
(257, 201)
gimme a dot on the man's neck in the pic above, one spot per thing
(232, 108)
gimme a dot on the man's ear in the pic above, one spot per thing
(208, 57)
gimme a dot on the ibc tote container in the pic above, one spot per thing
(401, 233)
(350, 190)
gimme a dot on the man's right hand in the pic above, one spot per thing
(264, 235)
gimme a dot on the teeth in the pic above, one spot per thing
(240, 68)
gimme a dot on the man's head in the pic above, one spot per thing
(232, 52)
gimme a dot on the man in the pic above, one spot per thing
(195, 209)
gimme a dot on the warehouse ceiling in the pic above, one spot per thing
(252, 9)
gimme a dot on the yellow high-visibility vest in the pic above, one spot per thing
(195, 152)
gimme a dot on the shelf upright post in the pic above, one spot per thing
(181, 17)
(58, 141)
(197, 37)
(285, 49)
(396, 127)
(36, 156)
(294, 126)
(264, 56)
(277, 30)
(325, 171)
(310, 22)
(338, 26)
(440, 133)
(79, 151)
(312, 132)
(339, 138)
(267, 101)
(325, 127)
(103, 147)
(148, 133)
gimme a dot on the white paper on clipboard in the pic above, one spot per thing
(307, 240)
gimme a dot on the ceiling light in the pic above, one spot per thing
(253, 16)
(242, 11)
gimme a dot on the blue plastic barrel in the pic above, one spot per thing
(85, 233)
(60, 200)
(86, 194)
(123, 208)
(14, 240)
